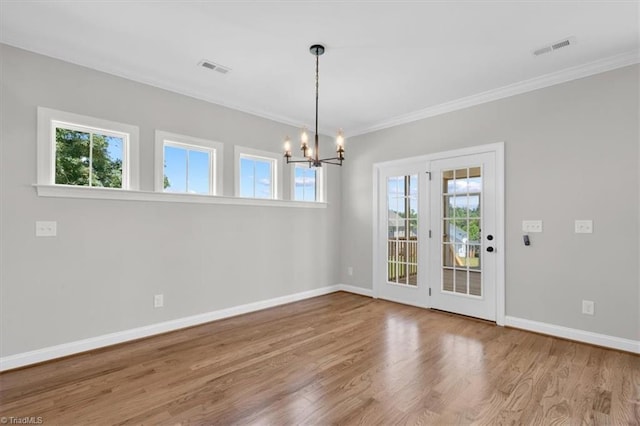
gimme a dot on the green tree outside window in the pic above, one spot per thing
(88, 159)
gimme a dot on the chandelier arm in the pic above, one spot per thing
(299, 161)
(334, 161)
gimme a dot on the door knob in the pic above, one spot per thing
(490, 249)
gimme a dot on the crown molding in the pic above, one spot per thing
(551, 79)
(113, 70)
(563, 76)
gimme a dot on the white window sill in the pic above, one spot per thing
(66, 191)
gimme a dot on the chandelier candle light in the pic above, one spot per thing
(312, 156)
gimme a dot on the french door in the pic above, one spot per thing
(401, 229)
(463, 217)
(438, 241)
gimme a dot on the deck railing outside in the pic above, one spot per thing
(403, 260)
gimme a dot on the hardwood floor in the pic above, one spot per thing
(335, 359)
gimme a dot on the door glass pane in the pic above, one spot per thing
(402, 227)
(473, 230)
(412, 227)
(460, 281)
(448, 256)
(392, 250)
(447, 280)
(475, 180)
(391, 276)
(393, 194)
(475, 283)
(449, 234)
(461, 225)
(461, 181)
(448, 183)
(474, 257)
(449, 203)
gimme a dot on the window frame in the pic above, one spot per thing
(216, 163)
(276, 171)
(320, 183)
(50, 119)
(45, 185)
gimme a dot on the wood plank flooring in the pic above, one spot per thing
(335, 359)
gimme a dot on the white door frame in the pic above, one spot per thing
(496, 148)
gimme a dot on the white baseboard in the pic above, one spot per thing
(355, 290)
(45, 354)
(575, 334)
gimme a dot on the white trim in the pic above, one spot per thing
(613, 342)
(551, 79)
(376, 226)
(496, 148)
(501, 223)
(46, 147)
(568, 74)
(52, 352)
(215, 148)
(476, 149)
(239, 151)
(69, 191)
(355, 290)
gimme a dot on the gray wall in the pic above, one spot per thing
(571, 153)
(110, 257)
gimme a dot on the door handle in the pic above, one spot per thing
(490, 249)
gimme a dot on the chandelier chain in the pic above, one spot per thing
(317, 90)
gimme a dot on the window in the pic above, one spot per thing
(89, 157)
(256, 177)
(257, 174)
(77, 150)
(306, 183)
(188, 165)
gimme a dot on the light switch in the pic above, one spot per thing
(588, 307)
(158, 301)
(46, 229)
(584, 226)
(531, 226)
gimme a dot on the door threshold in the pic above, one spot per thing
(463, 316)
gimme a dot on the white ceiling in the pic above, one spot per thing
(386, 62)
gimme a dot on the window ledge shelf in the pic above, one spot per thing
(64, 191)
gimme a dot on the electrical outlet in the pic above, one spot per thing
(584, 226)
(158, 301)
(350, 270)
(588, 307)
(46, 229)
(531, 226)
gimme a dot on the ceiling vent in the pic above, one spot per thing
(213, 66)
(555, 46)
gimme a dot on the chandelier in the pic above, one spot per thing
(312, 156)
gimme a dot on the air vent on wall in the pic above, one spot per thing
(555, 46)
(213, 66)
